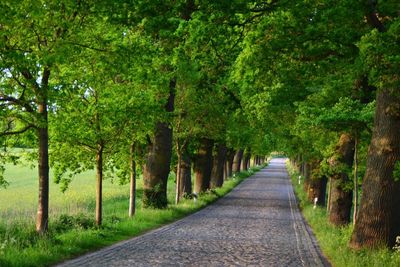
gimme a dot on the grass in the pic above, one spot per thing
(334, 240)
(72, 230)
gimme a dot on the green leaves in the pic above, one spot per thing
(380, 53)
(347, 114)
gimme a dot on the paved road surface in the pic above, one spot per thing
(257, 224)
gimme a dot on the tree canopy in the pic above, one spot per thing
(82, 81)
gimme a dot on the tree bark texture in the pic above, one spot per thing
(316, 184)
(132, 187)
(157, 167)
(217, 173)
(245, 161)
(341, 193)
(186, 173)
(43, 170)
(203, 165)
(225, 170)
(317, 189)
(99, 185)
(183, 175)
(378, 221)
(237, 160)
(229, 163)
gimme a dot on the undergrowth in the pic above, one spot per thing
(334, 240)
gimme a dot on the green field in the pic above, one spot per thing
(19, 200)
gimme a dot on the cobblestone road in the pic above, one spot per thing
(257, 224)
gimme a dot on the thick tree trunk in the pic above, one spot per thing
(225, 170)
(203, 165)
(183, 175)
(186, 173)
(341, 195)
(245, 161)
(317, 189)
(43, 171)
(132, 195)
(157, 167)
(254, 162)
(297, 163)
(237, 160)
(99, 184)
(217, 173)
(229, 163)
(378, 222)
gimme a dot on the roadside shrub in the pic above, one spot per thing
(66, 222)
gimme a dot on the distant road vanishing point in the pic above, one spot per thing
(257, 224)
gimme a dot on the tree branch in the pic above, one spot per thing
(372, 17)
(15, 101)
(7, 131)
(28, 76)
(88, 46)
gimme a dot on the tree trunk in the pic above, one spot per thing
(203, 165)
(254, 161)
(99, 184)
(178, 186)
(317, 189)
(183, 175)
(341, 195)
(355, 203)
(132, 195)
(229, 163)
(245, 161)
(306, 174)
(378, 222)
(217, 173)
(157, 167)
(186, 173)
(328, 206)
(301, 167)
(43, 170)
(225, 170)
(315, 185)
(297, 163)
(237, 160)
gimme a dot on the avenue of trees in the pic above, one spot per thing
(209, 87)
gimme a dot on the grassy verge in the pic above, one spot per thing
(333, 241)
(72, 235)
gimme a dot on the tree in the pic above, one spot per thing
(164, 22)
(100, 110)
(35, 38)
(378, 223)
(157, 167)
